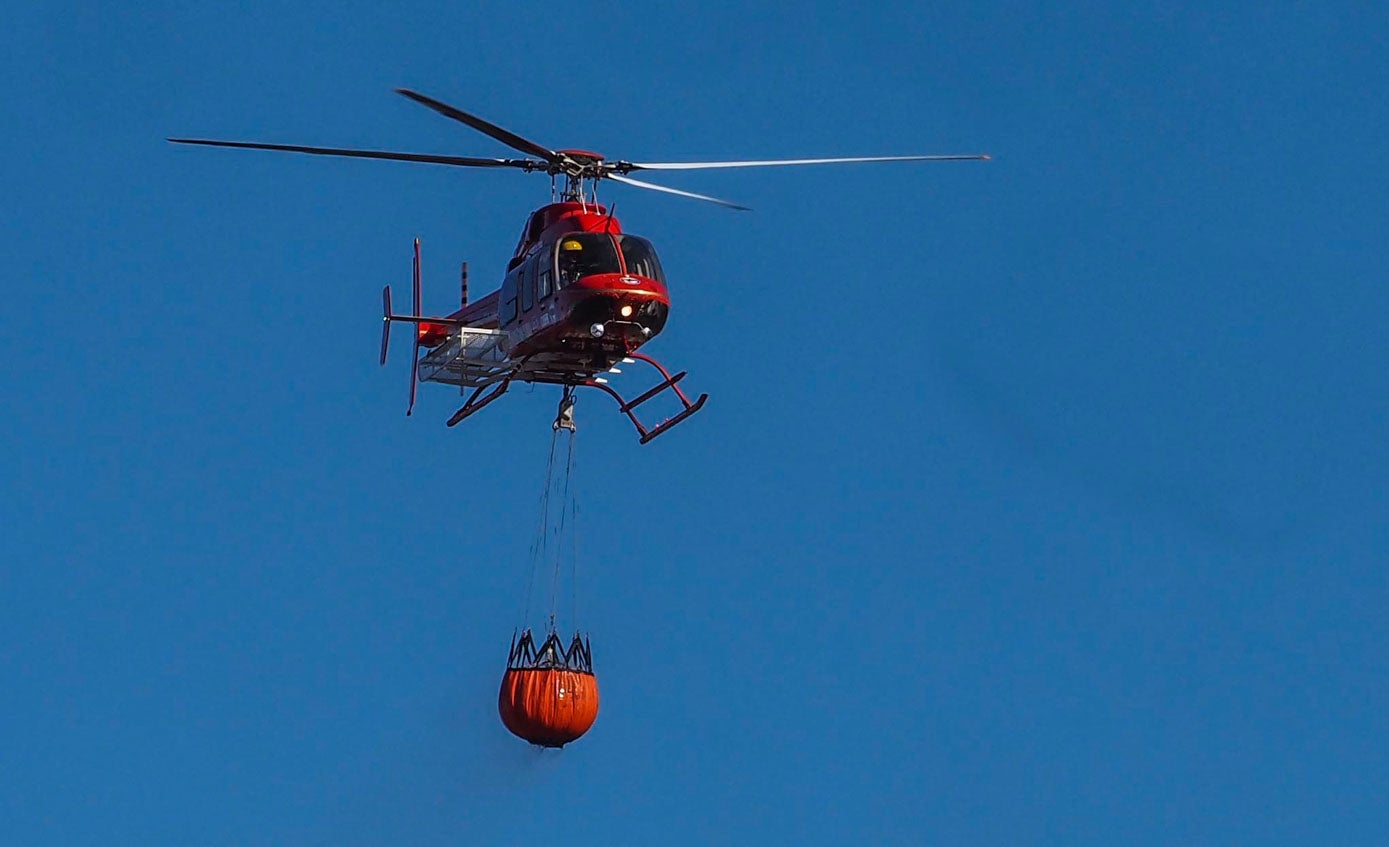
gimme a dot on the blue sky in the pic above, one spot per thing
(1039, 501)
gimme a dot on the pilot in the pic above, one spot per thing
(571, 258)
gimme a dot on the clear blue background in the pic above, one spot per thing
(1040, 501)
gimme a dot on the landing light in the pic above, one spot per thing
(626, 311)
(596, 330)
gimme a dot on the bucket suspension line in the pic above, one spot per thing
(556, 531)
(539, 544)
(549, 694)
(565, 530)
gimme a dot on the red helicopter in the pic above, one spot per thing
(580, 296)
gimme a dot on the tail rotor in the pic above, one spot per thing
(388, 318)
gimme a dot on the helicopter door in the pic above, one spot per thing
(542, 276)
(507, 311)
(525, 277)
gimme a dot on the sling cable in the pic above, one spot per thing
(549, 694)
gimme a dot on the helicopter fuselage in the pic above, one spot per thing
(578, 291)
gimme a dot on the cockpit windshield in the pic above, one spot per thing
(640, 257)
(583, 254)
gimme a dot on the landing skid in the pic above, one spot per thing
(564, 417)
(669, 383)
(476, 401)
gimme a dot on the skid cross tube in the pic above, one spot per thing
(647, 395)
(665, 373)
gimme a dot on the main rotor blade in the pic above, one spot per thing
(762, 163)
(640, 184)
(463, 161)
(510, 139)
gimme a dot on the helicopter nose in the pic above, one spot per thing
(640, 313)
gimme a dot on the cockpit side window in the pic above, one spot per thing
(525, 280)
(640, 257)
(542, 276)
(507, 310)
(583, 254)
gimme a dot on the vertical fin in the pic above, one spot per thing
(415, 357)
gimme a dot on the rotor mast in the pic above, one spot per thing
(581, 171)
(580, 189)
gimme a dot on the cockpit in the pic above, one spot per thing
(584, 254)
(572, 258)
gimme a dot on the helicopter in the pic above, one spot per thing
(580, 295)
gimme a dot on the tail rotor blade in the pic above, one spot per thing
(414, 379)
(385, 322)
(419, 306)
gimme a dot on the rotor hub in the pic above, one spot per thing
(580, 164)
